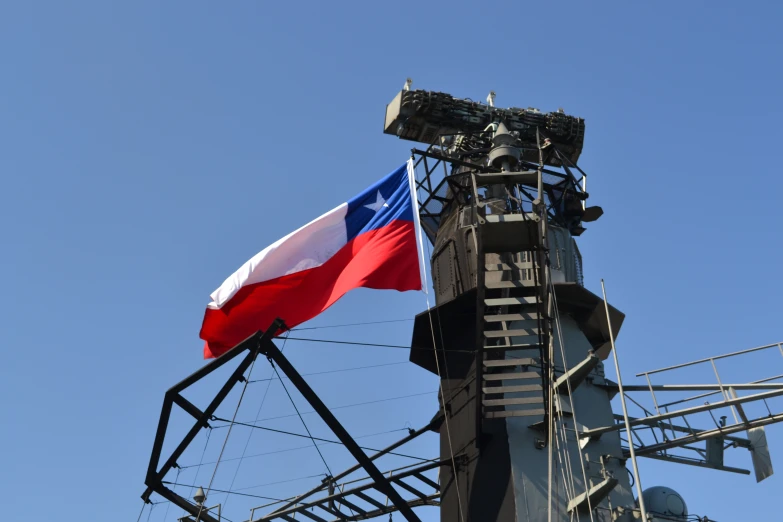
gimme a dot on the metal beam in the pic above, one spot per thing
(253, 344)
(693, 462)
(461, 163)
(694, 387)
(431, 500)
(381, 484)
(197, 511)
(436, 420)
(739, 408)
(718, 432)
(341, 496)
(701, 396)
(745, 443)
(715, 358)
(687, 411)
(168, 400)
(593, 496)
(574, 377)
(188, 406)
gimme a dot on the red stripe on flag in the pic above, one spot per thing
(384, 258)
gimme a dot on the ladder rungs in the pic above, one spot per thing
(524, 324)
(511, 301)
(494, 334)
(512, 400)
(507, 218)
(521, 346)
(519, 339)
(511, 317)
(511, 275)
(512, 413)
(510, 376)
(494, 390)
(515, 266)
(493, 285)
(499, 363)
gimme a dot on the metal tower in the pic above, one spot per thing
(519, 343)
(526, 425)
(519, 340)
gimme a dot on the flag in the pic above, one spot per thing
(371, 241)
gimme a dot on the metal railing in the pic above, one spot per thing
(661, 428)
(723, 389)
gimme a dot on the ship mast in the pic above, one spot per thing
(525, 420)
(502, 200)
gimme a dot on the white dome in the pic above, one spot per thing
(665, 501)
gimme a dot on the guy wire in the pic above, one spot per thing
(250, 435)
(570, 392)
(303, 421)
(442, 393)
(228, 434)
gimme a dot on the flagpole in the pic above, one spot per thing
(417, 226)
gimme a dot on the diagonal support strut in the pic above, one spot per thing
(382, 484)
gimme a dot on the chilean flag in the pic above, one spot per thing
(371, 241)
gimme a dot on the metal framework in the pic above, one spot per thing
(663, 428)
(440, 190)
(259, 343)
(336, 493)
(534, 196)
(359, 502)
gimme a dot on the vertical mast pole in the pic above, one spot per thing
(625, 410)
(546, 325)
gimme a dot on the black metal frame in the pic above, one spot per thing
(381, 483)
(258, 343)
(433, 425)
(567, 184)
(328, 503)
(155, 476)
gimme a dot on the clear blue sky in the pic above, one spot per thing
(149, 148)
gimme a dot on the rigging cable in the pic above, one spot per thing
(340, 407)
(302, 419)
(276, 501)
(545, 322)
(250, 435)
(315, 445)
(318, 438)
(570, 391)
(369, 344)
(229, 492)
(340, 370)
(349, 324)
(198, 470)
(435, 349)
(143, 505)
(275, 452)
(280, 482)
(166, 514)
(228, 434)
(567, 470)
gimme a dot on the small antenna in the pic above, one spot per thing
(200, 497)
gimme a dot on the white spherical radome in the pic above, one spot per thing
(660, 500)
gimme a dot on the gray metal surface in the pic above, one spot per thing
(424, 116)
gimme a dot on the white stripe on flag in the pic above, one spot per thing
(308, 247)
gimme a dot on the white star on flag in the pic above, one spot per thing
(379, 203)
